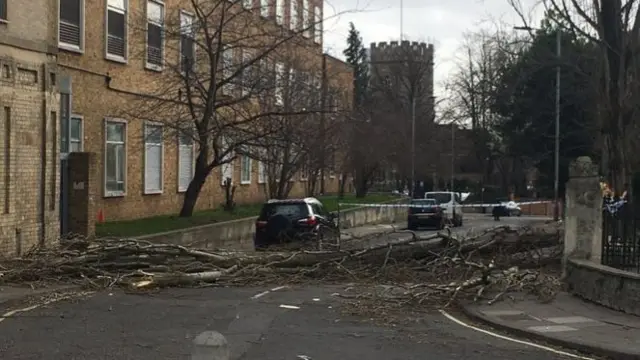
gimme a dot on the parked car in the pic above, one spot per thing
(295, 220)
(450, 204)
(428, 214)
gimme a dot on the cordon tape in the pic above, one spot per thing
(441, 205)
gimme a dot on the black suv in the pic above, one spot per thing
(285, 221)
(425, 212)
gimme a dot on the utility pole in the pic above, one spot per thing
(323, 105)
(401, 20)
(413, 145)
(556, 176)
(556, 180)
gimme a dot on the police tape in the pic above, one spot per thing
(442, 205)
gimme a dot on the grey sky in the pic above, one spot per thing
(440, 22)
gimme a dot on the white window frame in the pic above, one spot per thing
(279, 83)
(189, 32)
(226, 168)
(125, 12)
(243, 172)
(227, 70)
(317, 25)
(306, 19)
(192, 149)
(262, 172)
(80, 141)
(293, 15)
(115, 193)
(73, 47)
(147, 145)
(148, 65)
(248, 73)
(247, 4)
(265, 8)
(280, 6)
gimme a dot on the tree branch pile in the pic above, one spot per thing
(440, 266)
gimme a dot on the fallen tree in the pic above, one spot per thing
(441, 266)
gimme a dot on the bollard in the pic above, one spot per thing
(210, 345)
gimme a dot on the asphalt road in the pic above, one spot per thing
(473, 224)
(163, 325)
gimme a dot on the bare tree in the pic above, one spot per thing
(219, 87)
(614, 27)
(472, 88)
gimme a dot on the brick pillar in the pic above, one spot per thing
(583, 218)
(82, 208)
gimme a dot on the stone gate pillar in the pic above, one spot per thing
(583, 220)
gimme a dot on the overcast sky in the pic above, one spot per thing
(440, 22)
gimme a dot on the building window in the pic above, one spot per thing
(293, 15)
(75, 134)
(115, 162)
(71, 24)
(186, 154)
(280, 12)
(71, 134)
(247, 77)
(264, 8)
(227, 70)
(247, 4)
(306, 18)
(155, 27)
(117, 30)
(279, 85)
(187, 45)
(317, 25)
(304, 171)
(245, 169)
(153, 158)
(262, 176)
(3, 10)
(226, 168)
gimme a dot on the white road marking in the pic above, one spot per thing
(522, 342)
(259, 295)
(289, 307)
(11, 313)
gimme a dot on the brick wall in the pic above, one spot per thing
(103, 89)
(29, 104)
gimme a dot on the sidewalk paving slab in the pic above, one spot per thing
(567, 322)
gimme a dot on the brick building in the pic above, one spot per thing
(112, 65)
(29, 107)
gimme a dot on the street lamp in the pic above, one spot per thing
(556, 180)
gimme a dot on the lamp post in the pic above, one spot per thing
(556, 179)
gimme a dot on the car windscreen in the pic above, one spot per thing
(290, 210)
(440, 198)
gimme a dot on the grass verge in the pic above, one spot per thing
(158, 224)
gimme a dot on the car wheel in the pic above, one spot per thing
(442, 224)
(411, 226)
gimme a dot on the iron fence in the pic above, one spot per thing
(620, 247)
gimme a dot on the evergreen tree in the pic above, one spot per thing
(356, 55)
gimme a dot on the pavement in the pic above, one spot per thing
(568, 322)
(284, 323)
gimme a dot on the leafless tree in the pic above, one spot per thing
(219, 87)
(614, 27)
(484, 55)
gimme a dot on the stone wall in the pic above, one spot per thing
(584, 274)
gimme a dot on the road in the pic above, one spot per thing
(162, 326)
(314, 324)
(473, 224)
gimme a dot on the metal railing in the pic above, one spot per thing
(620, 227)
